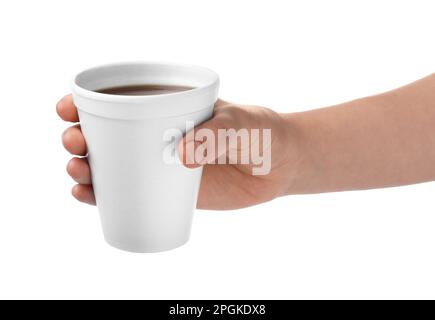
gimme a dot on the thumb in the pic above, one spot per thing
(200, 145)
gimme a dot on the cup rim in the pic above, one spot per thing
(80, 90)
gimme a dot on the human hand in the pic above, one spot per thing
(223, 186)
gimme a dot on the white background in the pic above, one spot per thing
(283, 55)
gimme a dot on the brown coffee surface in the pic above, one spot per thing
(143, 90)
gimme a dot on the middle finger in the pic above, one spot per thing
(73, 141)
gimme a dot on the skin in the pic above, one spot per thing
(379, 141)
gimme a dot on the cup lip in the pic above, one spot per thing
(141, 98)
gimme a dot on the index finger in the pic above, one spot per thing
(221, 103)
(67, 110)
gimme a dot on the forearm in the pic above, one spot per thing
(379, 141)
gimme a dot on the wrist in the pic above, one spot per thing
(297, 153)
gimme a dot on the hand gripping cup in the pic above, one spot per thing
(146, 204)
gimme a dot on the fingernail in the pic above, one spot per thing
(190, 152)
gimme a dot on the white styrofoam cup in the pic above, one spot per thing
(146, 204)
